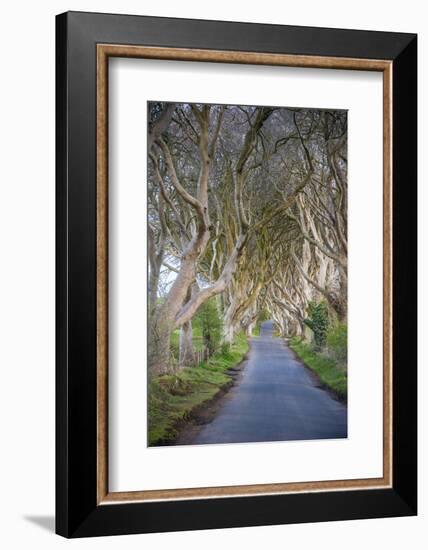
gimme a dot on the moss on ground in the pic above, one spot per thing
(174, 398)
(329, 372)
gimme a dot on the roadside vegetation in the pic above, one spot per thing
(323, 348)
(175, 398)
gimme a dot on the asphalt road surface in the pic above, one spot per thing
(277, 399)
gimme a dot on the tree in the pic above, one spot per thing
(247, 211)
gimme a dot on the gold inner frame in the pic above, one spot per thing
(104, 51)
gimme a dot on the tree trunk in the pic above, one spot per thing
(228, 333)
(299, 328)
(250, 328)
(153, 288)
(228, 325)
(159, 346)
(282, 324)
(186, 356)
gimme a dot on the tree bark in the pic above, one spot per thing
(186, 356)
(250, 328)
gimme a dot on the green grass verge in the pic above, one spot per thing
(330, 374)
(173, 398)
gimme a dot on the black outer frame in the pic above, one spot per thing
(77, 513)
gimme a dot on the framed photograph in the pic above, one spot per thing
(236, 274)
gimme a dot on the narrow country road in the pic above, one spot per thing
(277, 399)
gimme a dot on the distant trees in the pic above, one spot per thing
(247, 209)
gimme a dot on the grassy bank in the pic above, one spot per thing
(328, 371)
(174, 398)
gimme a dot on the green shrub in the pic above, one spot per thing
(317, 321)
(206, 331)
(337, 342)
(210, 324)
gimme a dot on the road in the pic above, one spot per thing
(276, 399)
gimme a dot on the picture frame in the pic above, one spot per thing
(84, 44)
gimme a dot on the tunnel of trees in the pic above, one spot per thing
(247, 220)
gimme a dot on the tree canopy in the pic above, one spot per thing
(247, 206)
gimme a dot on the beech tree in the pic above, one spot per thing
(247, 205)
